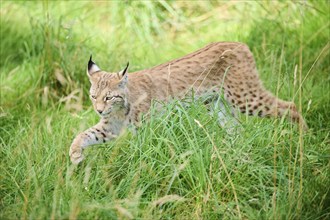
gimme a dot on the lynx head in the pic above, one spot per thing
(108, 91)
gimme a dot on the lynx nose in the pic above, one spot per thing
(99, 111)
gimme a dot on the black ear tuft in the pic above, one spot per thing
(125, 70)
(90, 63)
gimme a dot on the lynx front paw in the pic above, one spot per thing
(76, 155)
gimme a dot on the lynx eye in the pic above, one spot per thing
(112, 98)
(109, 98)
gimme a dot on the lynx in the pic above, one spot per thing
(228, 67)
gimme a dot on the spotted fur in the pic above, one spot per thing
(225, 67)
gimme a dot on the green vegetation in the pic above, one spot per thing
(180, 164)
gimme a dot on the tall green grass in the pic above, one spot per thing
(180, 164)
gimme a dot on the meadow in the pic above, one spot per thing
(180, 164)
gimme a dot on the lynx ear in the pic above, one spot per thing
(123, 72)
(92, 67)
(122, 75)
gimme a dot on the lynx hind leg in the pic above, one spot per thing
(259, 102)
(244, 90)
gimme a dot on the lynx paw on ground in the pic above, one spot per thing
(76, 156)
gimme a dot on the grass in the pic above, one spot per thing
(180, 164)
